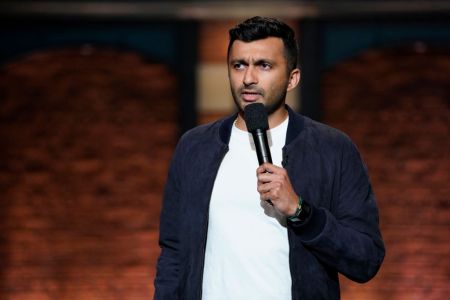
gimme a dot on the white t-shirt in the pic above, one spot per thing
(247, 249)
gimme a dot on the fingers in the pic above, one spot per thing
(269, 190)
(270, 186)
(267, 177)
(268, 173)
(268, 168)
(274, 185)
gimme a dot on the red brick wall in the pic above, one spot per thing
(86, 138)
(395, 106)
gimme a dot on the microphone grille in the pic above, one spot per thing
(255, 115)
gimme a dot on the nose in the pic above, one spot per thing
(250, 76)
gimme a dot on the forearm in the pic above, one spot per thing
(168, 267)
(352, 247)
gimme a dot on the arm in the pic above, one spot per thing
(346, 237)
(168, 269)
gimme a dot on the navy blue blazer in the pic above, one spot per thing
(342, 234)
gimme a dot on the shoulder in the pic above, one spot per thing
(325, 132)
(305, 130)
(333, 142)
(202, 133)
(204, 137)
(196, 145)
(323, 137)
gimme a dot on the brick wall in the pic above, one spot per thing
(86, 138)
(395, 106)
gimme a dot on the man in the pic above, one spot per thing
(220, 236)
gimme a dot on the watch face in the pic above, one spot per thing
(301, 214)
(294, 219)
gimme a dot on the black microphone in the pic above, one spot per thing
(256, 119)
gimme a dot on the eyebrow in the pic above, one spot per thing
(238, 61)
(264, 61)
(257, 62)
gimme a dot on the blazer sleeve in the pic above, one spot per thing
(168, 271)
(347, 237)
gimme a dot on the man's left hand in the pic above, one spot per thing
(274, 185)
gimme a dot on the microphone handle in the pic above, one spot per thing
(262, 146)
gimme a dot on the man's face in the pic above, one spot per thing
(258, 73)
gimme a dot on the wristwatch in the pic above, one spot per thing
(301, 213)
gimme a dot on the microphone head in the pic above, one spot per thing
(255, 115)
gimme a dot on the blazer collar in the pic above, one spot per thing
(295, 126)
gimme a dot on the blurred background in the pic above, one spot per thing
(94, 95)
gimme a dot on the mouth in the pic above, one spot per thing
(250, 96)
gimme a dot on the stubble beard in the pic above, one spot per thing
(270, 106)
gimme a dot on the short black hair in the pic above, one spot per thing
(258, 28)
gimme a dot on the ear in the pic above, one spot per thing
(294, 79)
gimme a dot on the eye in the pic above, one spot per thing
(266, 66)
(238, 66)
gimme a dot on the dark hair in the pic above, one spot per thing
(258, 28)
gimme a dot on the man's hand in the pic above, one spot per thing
(274, 185)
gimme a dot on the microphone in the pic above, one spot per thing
(256, 119)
